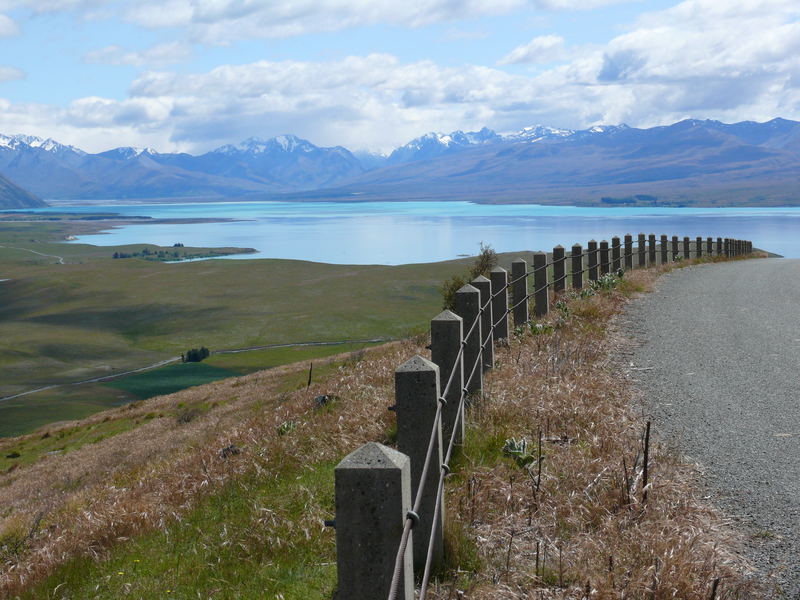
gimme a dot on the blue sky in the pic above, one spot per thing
(190, 75)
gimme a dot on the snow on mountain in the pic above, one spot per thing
(536, 133)
(17, 142)
(254, 145)
(128, 152)
(435, 144)
(607, 129)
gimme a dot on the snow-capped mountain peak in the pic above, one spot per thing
(19, 141)
(285, 143)
(128, 152)
(535, 133)
(436, 143)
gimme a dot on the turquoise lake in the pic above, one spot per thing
(410, 232)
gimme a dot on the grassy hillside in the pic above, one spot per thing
(142, 502)
(70, 312)
(13, 196)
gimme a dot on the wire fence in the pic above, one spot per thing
(549, 273)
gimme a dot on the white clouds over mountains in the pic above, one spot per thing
(224, 21)
(701, 58)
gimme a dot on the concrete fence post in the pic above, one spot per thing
(499, 279)
(559, 270)
(605, 264)
(719, 246)
(686, 250)
(709, 246)
(447, 331)
(698, 247)
(373, 495)
(519, 292)
(641, 252)
(591, 251)
(616, 263)
(664, 248)
(468, 304)
(487, 336)
(541, 290)
(628, 252)
(674, 247)
(416, 393)
(577, 266)
(651, 247)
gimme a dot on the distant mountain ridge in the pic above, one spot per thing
(13, 196)
(754, 161)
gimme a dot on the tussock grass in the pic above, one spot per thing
(162, 505)
(579, 526)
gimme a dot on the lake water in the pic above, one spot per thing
(410, 232)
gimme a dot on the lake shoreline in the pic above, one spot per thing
(413, 232)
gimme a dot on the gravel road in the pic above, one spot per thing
(719, 363)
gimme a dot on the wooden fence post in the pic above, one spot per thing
(664, 248)
(709, 246)
(487, 336)
(519, 292)
(447, 331)
(577, 266)
(591, 251)
(719, 246)
(416, 393)
(605, 264)
(651, 246)
(674, 248)
(559, 270)
(628, 252)
(698, 247)
(373, 495)
(616, 263)
(499, 279)
(468, 305)
(641, 252)
(686, 251)
(541, 291)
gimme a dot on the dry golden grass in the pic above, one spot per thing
(582, 533)
(581, 528)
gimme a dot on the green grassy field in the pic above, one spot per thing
(167, 380)
(93, 315)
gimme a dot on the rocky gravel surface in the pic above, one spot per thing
(718, 360)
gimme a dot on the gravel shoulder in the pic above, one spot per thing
(718, 362)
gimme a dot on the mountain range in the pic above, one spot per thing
(689, 162)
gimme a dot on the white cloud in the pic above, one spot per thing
(51, 6)
(157, 56)
(8, 27)
(224, 21)
(11, 74)
(542, 49)
(697, 59)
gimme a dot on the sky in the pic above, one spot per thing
(191, 75)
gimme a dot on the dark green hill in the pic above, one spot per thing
(13, 196)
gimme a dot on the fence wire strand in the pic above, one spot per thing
(625, 256)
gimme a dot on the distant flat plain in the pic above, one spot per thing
(70, 312)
